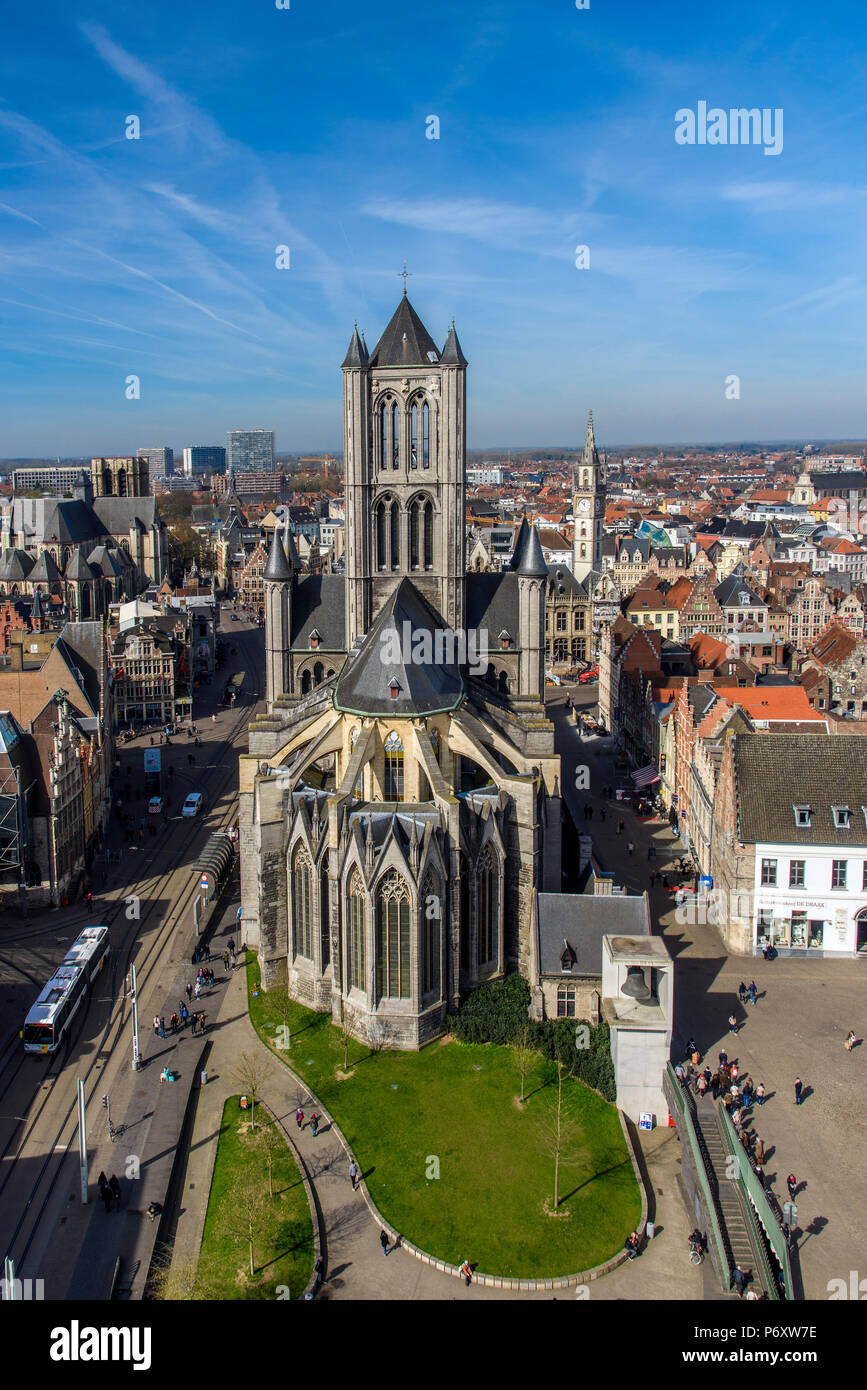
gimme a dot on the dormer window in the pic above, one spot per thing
(394, 687)
(315, 638)
(803, 817)
(567, 958)
(842, 817)
(505, 639)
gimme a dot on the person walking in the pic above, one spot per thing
(630, 847)
(203, 1018)
(114, 1185)
(742, 993)
(850, 1040)
(754, 994)
(723, 1058)
(226, 961)
(792, 1185)
(314, 1124)
(198, 989)
(799, 1086)
(760, 1149)
(106, 1194)
(760, 1174)
(173, 1022)
(162, 1027)
(299, 1118)
(733, 1024)
(156, 1025)
(383, 1240)
(185, 1014)
(467, 1273)
(760, 1093)
(733, 1071)
(739, 1280)
(679, 1073)
(189, 992)
(714, 1085)
(353, 1175)
(747, 1095)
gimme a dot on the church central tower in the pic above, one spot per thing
(404, 423)
(588, 508)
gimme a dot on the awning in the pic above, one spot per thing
(645, 776)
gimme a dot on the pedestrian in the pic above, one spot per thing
(106, 1194)
(156, 1024)
(850, 1040)
(733, 1071)
(603, 813)
(203, 1018)
(383, 1240)
(733, 1024)
(723, 1058)
(799, 1086)
(226, 961)
(198, 989)
(760, 1093)
(760, 1174)
(621, 826)
(630, 847)
(103, 1182)
(760, 1149)
(792, 1185)
(744, 1137)
(714, 1084)
(679, 1073)
(195, 1027)
(467, 1273)
(353, 1174)
(739, 1280)
(742, 993)
(314, 1124)
(114, 1184)
(701, 1086)
(184, 1015)
(213, 719)
(162, 1027)
(753, 992)
(631, 1245)
(747, 1095)
(174, 1020)
(231, 942)
(189, 992)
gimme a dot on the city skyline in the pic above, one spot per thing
(156, 257)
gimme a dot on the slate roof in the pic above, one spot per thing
(405, 342)
(15, 565)
(726, 593)
(78, 569)
(122, 513)
(528, 558)
(45, 570)
(278, 568)
(319, 601)
(356, 355)
(775, 772)
(582, 920)
(80, 645)
(492, 605)
(390, 650)
(452, 352)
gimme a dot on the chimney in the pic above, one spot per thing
(16, 656)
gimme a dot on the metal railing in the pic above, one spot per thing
(713, 1214)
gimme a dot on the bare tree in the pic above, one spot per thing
(245, 1212)
(251, 1071)
(270, 1144)
(180, 1278)
(524, 1055)
(559, 1134)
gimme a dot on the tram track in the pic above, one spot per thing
(123, 952)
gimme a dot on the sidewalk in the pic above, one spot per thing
(354, 1265)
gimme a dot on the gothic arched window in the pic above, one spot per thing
(414, 412)
(356, 965)
(383, 436)
(301, 904)
(324, 916)
(380, 531)
(305, 683)
(395, 435)
(414, 535)
(425, 436)
(431, 918)
(393, 767)
(317, 673)
(488, 883)
(392, 938)
(395, 536)
(428, 536)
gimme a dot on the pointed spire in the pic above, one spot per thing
(528, 559)
(277, 570)
(356, 355)
(452, 353)
(368, 843)
(291, 548)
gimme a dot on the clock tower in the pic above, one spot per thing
(588, 508)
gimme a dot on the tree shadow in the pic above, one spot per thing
(615, 1167)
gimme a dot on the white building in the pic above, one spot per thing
(489, 475)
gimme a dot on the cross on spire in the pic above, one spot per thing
(404, 275)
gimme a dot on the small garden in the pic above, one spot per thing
(491, 1144)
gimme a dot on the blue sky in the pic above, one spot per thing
(306, 127)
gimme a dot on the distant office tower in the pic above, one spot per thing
(204, 458)
(250, 451)
(161, 462)
(54, 478)
(120, 477)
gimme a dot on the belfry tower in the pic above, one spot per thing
(404, 421)
(588, 508)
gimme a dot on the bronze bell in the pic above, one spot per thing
(635, 985)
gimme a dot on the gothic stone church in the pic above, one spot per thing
(400, 802)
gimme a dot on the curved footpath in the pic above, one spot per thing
(354, 1264)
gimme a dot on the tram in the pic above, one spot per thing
(58, 1003)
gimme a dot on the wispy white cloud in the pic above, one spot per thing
(790, 195)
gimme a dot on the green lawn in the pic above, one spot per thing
(453, 1106)
(283, 1252)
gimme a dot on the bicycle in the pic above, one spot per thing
(116, 1131)
(696, 1254)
